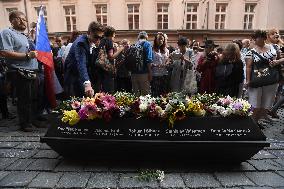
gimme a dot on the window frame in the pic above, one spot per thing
(133, 15)
(162, 14)
(6, 12)
(246, 22)
(191, 13)
(71, 16)
(101, 15)
(220, 13)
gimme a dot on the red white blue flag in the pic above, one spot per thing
(42, 42)
(44, 55)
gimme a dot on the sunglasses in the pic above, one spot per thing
(97, 36)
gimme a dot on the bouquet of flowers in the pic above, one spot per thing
(124, 101)
(171, 107)
(101, 106)
(229, 106)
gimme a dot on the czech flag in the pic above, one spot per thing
(45, 56)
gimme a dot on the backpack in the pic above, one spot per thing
(223, 71)
(134, 57)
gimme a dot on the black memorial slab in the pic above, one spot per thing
(202, 138)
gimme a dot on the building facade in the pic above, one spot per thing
(195, 16)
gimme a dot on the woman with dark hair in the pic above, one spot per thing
(242, 44)
(159, 83)
(73, 37)
(261, 98)
(229, 71)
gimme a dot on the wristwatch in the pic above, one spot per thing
(28, 56)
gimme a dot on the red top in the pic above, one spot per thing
(207, 70)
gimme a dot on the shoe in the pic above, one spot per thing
(14, 102)
(27, 127)
(262, 123)
(260, 126)
(9, 116)
(273, 114)
(39, 124)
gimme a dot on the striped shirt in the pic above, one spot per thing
(270, 54)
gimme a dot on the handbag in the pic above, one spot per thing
(3, 68)
(27, 74)
(190, 83)
(262, 73)
(104, 63)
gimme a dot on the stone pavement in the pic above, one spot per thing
(27, 163)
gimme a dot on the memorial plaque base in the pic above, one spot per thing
(233, 139)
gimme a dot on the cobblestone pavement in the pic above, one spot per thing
(27, 163)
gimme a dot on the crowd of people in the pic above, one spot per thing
(96, 62)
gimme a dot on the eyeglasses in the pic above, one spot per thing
(22, 19)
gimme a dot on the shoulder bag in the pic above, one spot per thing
(262, 73)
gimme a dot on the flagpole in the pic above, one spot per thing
(44, 55)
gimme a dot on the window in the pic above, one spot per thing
(133, 16)
(163, 17)
(37, 9)
(220, 16)
(249, 15)
(101, 14)
(70, 17)
(191, 16)
(8, 10)
(11, 9)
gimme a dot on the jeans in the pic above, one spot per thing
(103, 81)
(140, 84)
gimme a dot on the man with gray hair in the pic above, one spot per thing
(14, 47)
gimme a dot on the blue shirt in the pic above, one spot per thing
(148, 58)
(15, 41)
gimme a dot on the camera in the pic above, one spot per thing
(211, 56)
(176, 56)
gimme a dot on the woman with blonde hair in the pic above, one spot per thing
(273, 38)
(229, 71)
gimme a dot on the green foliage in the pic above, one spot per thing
(150, 175)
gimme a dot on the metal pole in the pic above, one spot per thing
(207, 15)
(183, 2)
(26, 12)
